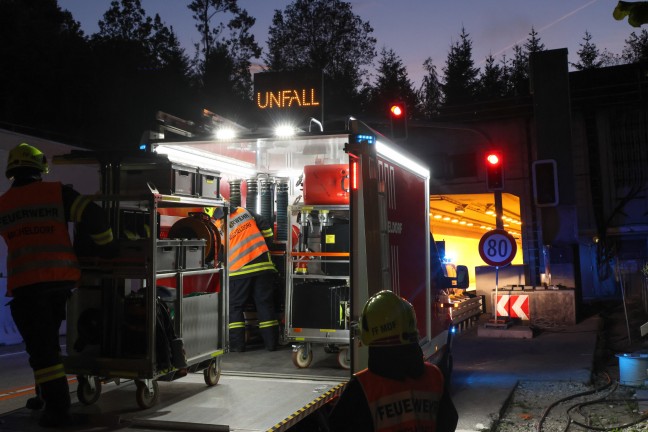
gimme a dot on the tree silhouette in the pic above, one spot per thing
(44, 67)
(139, 68)
(392, 84)
(430, 96)
(460, 74)
(588, 55)
(223, 58)
(492, 82)
(636, 47)
(326, 36)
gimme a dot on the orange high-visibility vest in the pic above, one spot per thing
(245, 240)
(411, 404)
(32, 223)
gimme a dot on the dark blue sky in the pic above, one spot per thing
(417, 29)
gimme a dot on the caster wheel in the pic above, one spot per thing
(145, 398)
(343, 358)
(88, 392)
(212, 373)
(301, 359)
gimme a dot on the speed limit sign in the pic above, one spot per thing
(497, 248)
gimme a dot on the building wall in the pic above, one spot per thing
(600, 145)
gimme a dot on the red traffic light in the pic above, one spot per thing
(494, 170)
(398, 120)
(493, 159)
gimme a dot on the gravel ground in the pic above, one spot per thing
(604, 405)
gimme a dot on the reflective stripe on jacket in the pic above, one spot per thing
(33, 224)
(245, 243)
(411, 404)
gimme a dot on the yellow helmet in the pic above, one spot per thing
(26, 156)
(388, 320)
(214, 212)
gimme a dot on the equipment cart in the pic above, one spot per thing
(317, 283)
(155, 312)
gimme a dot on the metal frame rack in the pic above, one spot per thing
(317, 298)
(113, 317)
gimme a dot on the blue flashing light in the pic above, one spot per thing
(143, 147)
(453, 329)
(370, 139)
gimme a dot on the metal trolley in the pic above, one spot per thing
(116, 318)
(317, 283)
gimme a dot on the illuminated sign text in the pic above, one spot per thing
(291, 98)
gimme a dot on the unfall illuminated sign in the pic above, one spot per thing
(289, 95)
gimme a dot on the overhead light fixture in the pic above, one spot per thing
(460, 209)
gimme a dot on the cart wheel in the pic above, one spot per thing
(86, 393)
(145, 398)
(300, 357)
(343, 359)
(212, 373)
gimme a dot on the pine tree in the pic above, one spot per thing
(533, 44)
(392, 84)
(588, 55)
(492, 82)
(519, 72)
(430, 96)
(460, 74)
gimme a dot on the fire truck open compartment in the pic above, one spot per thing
(395, 207)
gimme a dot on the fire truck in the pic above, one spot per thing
(351, 214)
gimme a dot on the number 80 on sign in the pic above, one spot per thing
(497, 248)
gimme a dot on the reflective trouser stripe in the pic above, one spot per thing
(236, 324)
(49, 374)
(266, 324)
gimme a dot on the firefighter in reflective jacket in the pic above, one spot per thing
(251, 273)
(42, 268)
(399, 391)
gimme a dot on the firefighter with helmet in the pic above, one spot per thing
(42, 268)
(251, 273)
(398, 390)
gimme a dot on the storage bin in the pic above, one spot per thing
(167, 178)
(633, 369)
(138, 253)
(193, 254)
(208, 184)
(167, 255)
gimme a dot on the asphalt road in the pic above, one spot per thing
(486, 370)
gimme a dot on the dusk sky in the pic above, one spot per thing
(417, 29)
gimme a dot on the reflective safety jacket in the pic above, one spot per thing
(248, 252)
(34, 226)
(407, 405)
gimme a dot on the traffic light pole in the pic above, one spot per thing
(499, 212)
